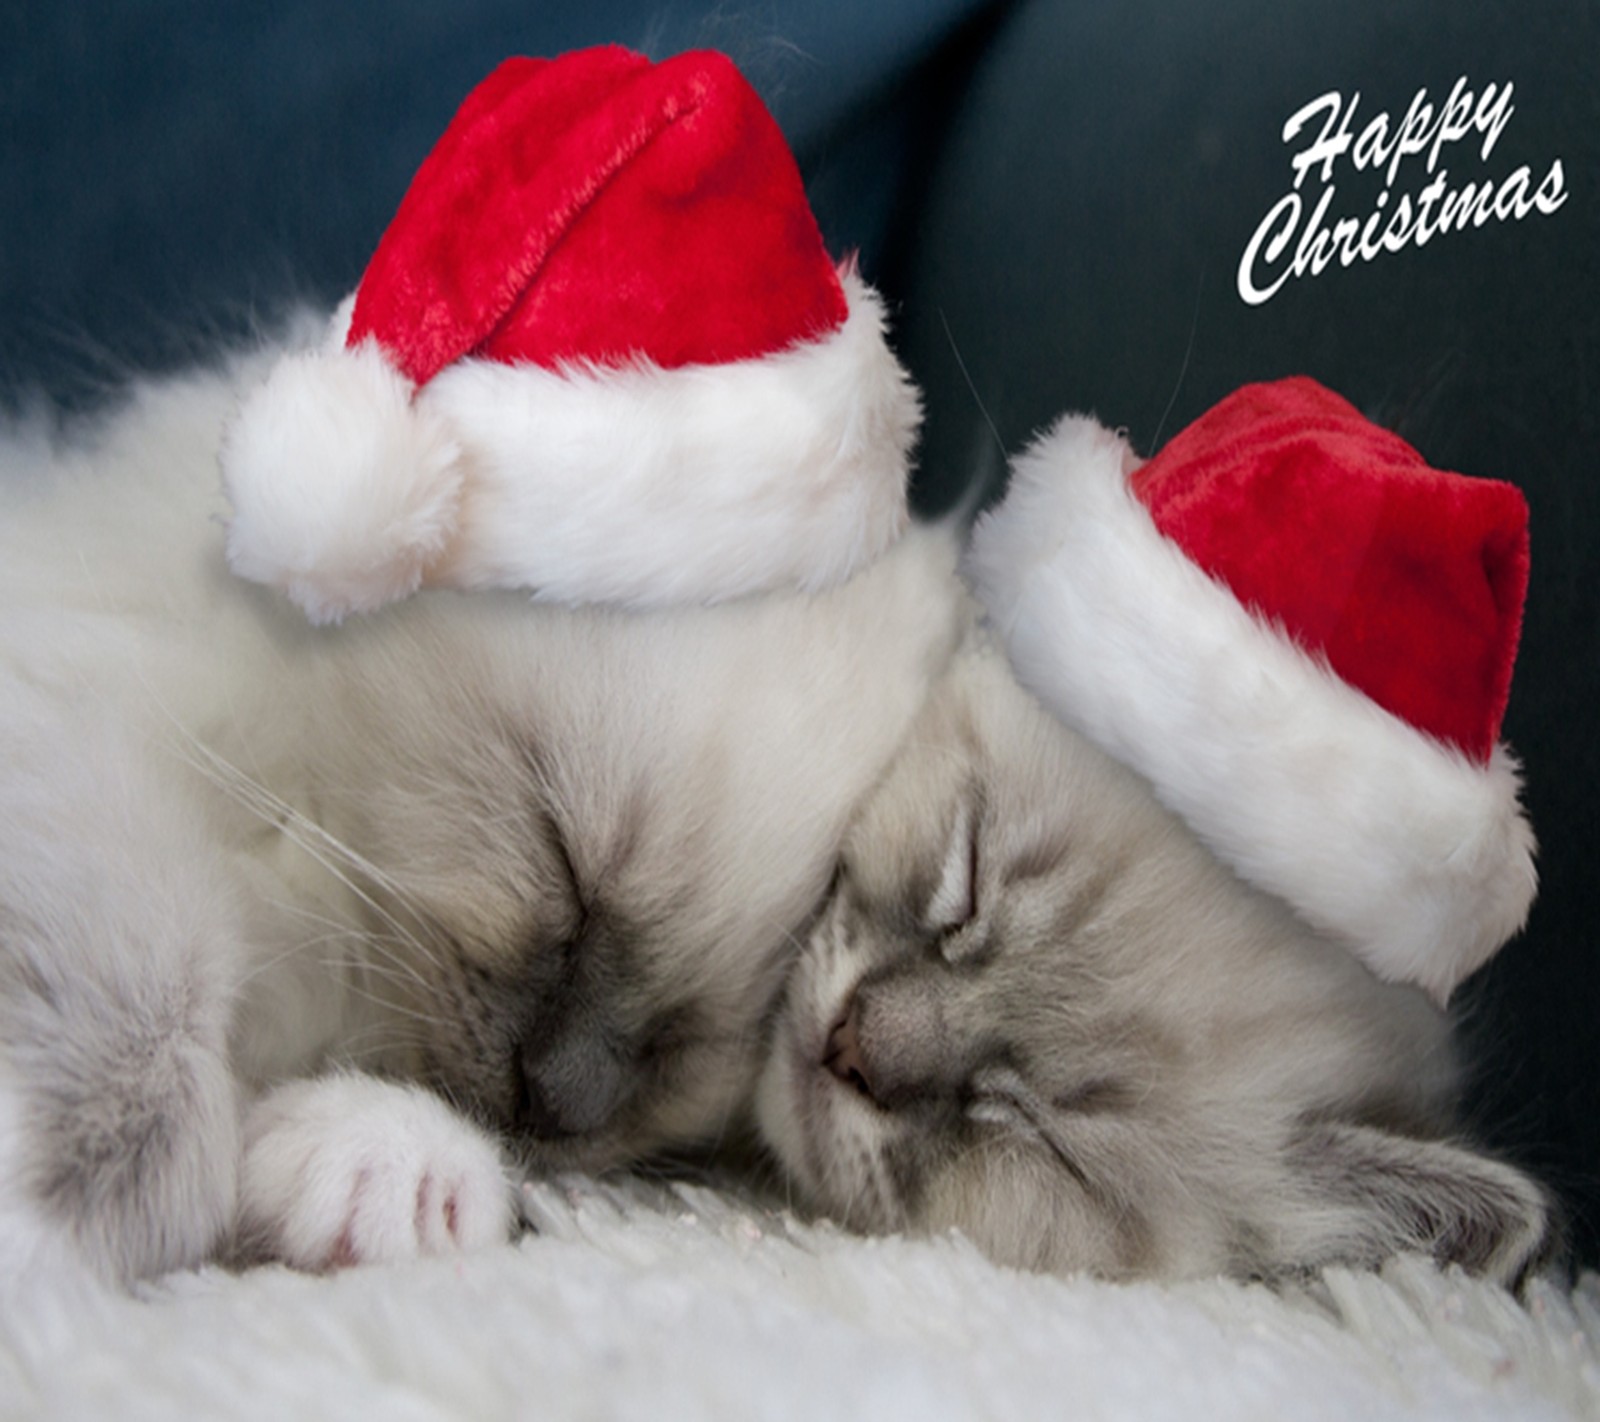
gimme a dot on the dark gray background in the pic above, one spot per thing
(1054, 194)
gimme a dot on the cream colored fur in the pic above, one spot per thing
(549, 862)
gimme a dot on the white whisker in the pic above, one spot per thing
(327, 850)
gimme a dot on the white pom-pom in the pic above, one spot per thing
(343, 488)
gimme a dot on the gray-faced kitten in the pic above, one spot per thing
(259, 881)
(1034, 1009)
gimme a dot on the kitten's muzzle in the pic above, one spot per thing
(891, 1044)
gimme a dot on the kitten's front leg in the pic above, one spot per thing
(121, 946)
(349, 1169)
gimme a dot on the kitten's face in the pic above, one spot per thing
(610, 831)
(570, 985)
(1035, 1010)
(541, 893)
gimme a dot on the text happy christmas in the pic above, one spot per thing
(1305, 231)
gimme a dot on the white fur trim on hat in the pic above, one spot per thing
(643, 486)
(1418, 859)
(637, 485)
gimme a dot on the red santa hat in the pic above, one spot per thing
(1303, 636)
(600, 353)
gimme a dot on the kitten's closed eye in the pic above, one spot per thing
(952, 910)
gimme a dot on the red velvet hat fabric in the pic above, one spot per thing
(596, 208)
(1408, 580)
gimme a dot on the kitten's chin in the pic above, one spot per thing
(579, 1155)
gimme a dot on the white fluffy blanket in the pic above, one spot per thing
(636, 1301)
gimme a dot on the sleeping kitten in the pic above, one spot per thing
(256, 878)
(1035, 1010)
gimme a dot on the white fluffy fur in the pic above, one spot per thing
(641, 486)
(1421, 861)
(631, 1303)
(343, 487)
(648, 486)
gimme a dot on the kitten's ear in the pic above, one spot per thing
(1367, 1193)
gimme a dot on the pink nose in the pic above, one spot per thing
(843, 1054)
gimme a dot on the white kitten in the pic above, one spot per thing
(550, 863)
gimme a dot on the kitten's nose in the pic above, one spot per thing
(843, 1054)
(894, 1043)
(571, 1087)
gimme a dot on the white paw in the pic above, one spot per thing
(352, 1170)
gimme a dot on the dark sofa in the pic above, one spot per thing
(1056, 197)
